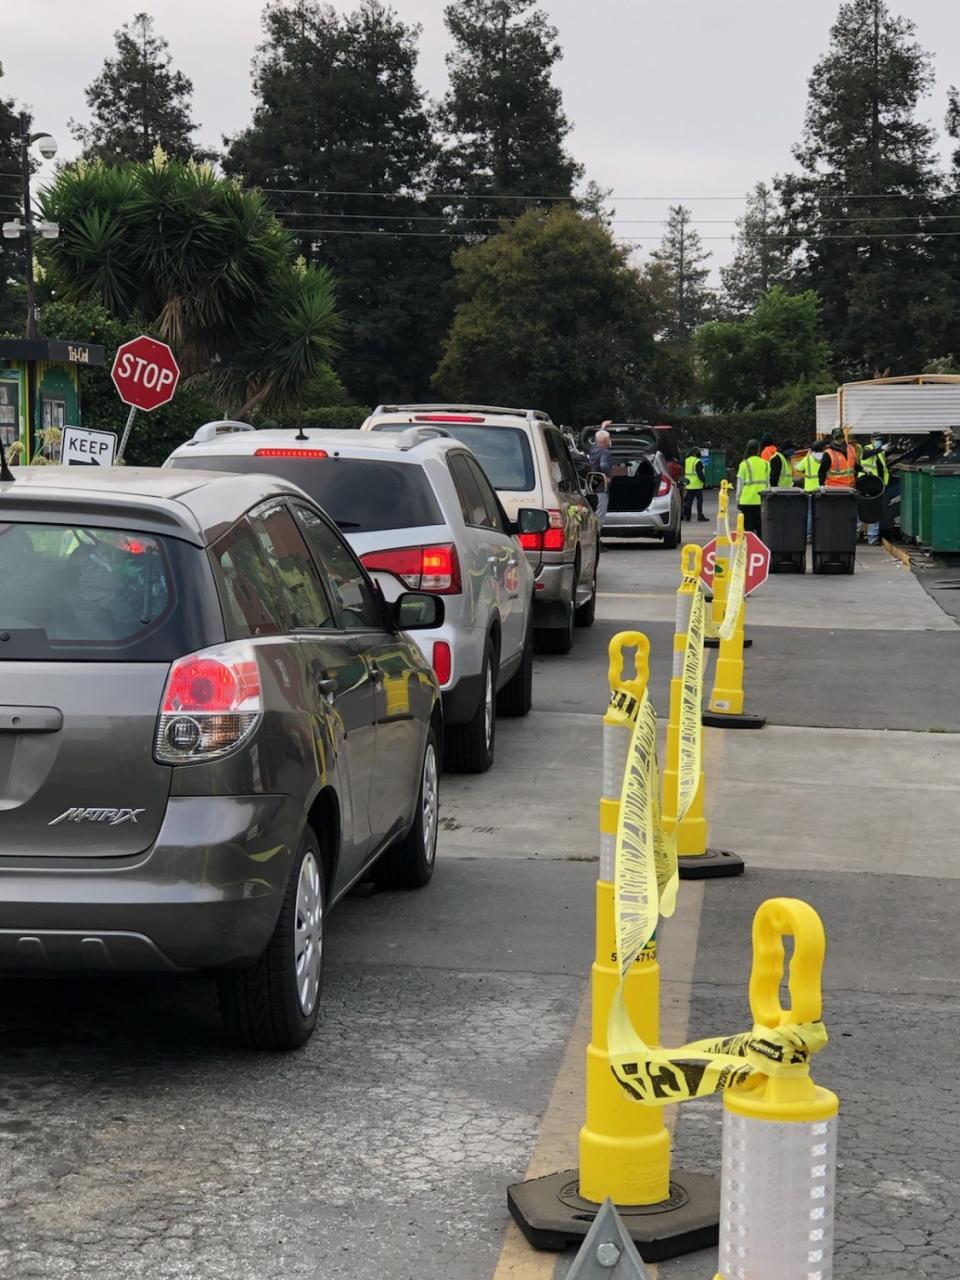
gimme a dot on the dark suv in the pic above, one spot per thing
(211, 726)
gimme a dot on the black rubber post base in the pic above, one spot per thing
(552, 1215)
(723, 720)
(712, 865)
(713, 642)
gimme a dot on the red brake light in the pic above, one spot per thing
(664, 489)
(435, 568)
(554, 540)
(442, 661)
(212, 701)
(291, 453)
(556, 517)
(133, 546)
(448, 417)
(531, 541)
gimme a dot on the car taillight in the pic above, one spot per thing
(531, 541)
(554, 540)
(556, 517)
(291, 453)
(434, 568)
(211, 703)
(448, 417)
(442, 661)
(664, 489)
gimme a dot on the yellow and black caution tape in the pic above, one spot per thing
(735, 594)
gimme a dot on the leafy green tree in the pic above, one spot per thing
(503, 116)
(204, 265)
(677, 276)
(12, 256)
(762, 258)
(138, 101)
(868, 177)
(550, 315)
(747, 363)
(341, 141)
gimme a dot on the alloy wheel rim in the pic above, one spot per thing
(308, 941)
(430, 803)
(488, 707)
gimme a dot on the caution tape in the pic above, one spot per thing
(735, 595)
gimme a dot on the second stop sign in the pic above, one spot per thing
(145, 373)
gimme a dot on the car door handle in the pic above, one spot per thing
(327, 685)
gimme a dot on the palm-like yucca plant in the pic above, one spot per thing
(206, 263)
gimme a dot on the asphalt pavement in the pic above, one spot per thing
(134, 1142)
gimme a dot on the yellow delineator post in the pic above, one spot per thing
(780, 1138)
(624, 1148)
(721, 571)
(695, 860)
(725, 709)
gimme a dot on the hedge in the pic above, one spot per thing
(731, 431)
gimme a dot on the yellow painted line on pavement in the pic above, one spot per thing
(897, 552)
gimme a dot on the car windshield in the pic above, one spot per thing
(359, 494)
(77, 592)
(503, 452)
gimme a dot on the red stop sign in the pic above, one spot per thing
(758, 561)
(145, 373)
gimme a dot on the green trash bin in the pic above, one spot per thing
(940, 507)
(715, 467)
(909, 501)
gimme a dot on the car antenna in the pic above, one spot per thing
(301, 434)
(5, 472)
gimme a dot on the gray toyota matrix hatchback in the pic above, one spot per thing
(211, 726)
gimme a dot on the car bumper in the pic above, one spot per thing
(206, 894)
(638, 524)
(552, 593)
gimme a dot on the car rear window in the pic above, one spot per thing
(73, 593)
(358, 494)
(504, 452)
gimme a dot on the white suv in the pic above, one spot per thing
(420, 513)
(528, 462)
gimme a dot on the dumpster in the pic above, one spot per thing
(870, 499)
(940, 507)
(909, 501)
(715, 467)
(834, 543)
(785, 529)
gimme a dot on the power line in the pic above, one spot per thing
(321, 232)
(606, 199)
(617, 222)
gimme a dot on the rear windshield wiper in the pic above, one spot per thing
(348, 524)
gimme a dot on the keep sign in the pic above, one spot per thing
(145, 373)
(82, 448)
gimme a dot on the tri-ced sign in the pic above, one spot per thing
(758, 562)
(145, 373)
(80, 447)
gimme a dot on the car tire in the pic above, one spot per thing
(585, 615)
(469, 748)
(516, 696)
(409, 862)
(670, 539)
(557, 639)
(273, 1004)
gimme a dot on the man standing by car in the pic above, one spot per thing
(694, 482)
(601, 460)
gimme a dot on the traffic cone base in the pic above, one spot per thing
(712, 865)
(732, 720)
(553, 1215)
(713, 642)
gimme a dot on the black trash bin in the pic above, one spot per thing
(870, 491)
(785, 529)
(834, 530)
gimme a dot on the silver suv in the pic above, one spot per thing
(528, 462)
(644, 500)
(211, 726)
(419, 511)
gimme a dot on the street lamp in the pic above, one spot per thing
(47, 147)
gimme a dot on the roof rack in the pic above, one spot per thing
(532, 415)
(224, 427)
(413, 436)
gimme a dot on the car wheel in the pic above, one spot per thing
(409, 863)
(557, 639)
(586, 614)
(670, 539)
(273, 1004)
(468, 748)
(516, 696)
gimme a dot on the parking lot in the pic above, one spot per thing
(448, 1061)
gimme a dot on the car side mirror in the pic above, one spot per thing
(417, 611)
(531, 520)
(596, 482)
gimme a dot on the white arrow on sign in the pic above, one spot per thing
(81, 447)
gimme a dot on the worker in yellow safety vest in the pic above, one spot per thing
(874, 463)
(809, 468)
(781, 475)
(694, 483)
(753, 476)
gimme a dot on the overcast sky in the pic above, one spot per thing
(678, 99)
